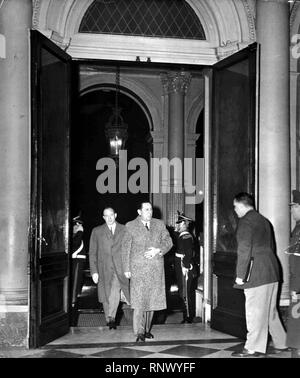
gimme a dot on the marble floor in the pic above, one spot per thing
(170, 341)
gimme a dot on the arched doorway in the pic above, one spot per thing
(83, 46)
(89, 145)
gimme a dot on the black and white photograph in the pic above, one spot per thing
(150, 182)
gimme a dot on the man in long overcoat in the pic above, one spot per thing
(145, 242)
(106, 265)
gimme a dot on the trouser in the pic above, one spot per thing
(185, 290)
(262, 318)
(142, 321)
(77, 278)
(110, 308)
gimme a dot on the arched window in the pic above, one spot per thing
(147, 18)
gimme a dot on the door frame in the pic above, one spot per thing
(208, 297)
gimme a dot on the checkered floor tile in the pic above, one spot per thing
(170, 341)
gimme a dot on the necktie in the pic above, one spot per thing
(111, 231)
(146, 225)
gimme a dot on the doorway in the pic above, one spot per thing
(50, 266)
(89, 144)
(94, 107)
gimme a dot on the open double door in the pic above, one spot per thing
(232, 147)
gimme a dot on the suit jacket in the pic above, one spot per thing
(255, 237)
(185, 246)
(105, 259)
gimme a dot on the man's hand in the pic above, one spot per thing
(151, 252)
(239, 281)
(127, 274)
(95, 277)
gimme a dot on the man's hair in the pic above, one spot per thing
(140, 205)
(108, 208)
(245, 198)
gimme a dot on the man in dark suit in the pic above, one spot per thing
(260, 285)
(106, 265)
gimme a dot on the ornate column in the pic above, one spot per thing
(274, 123)
(190, 152)
(15, 22)
(175, 85)
(157, 193)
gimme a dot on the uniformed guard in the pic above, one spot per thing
(184, 266)
(293, 323)
(78, 263)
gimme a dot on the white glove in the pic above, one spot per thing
(239, 281)
(151, 252)
(95, 277)
(127, 274)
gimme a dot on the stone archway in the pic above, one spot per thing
(140, 89)
(228, 25)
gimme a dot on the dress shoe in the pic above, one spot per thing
(112, 324)
(279, 350)
(186, 321)
(149, 335)
(246, 353)
(140, 337)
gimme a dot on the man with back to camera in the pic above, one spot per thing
(255, 239)
(106, 265)
(145, 242)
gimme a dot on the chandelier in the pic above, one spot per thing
(115, 128)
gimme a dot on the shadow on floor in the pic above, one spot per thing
(89, 312)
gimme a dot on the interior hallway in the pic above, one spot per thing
(170, 341)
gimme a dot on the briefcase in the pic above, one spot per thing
(249, 270)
